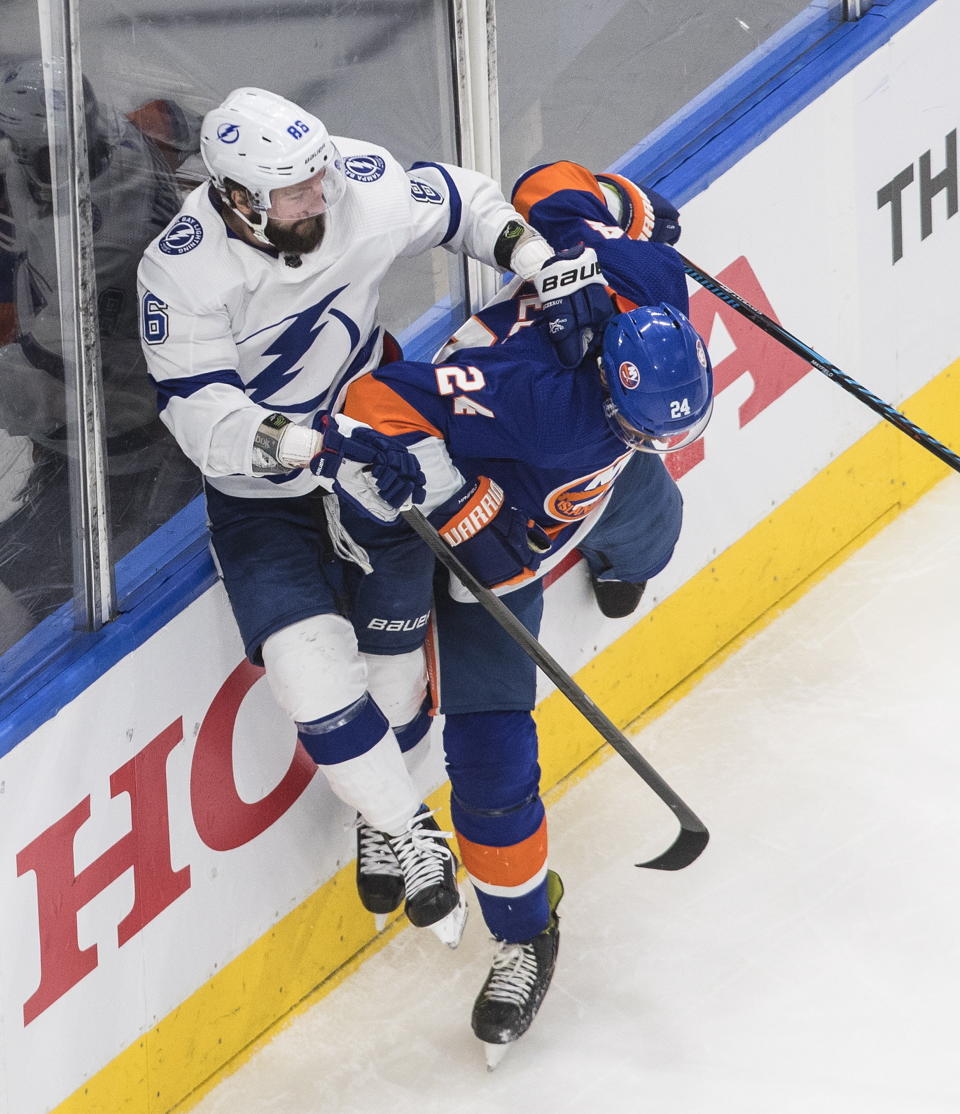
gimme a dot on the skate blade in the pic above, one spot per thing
(494, 1053)
(380, 921)
(449, 931)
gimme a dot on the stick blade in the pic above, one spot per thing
(684, 850)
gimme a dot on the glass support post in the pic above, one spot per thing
(854, 9)
(94, 592)
(474, 26)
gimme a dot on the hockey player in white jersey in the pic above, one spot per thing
(259, 307)
(133, 196)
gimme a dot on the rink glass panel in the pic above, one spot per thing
(372, 70)
(586, 81)
(378, 70)
(36, 534)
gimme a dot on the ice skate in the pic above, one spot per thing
(379, 877)
(517, 983)
(429, 871)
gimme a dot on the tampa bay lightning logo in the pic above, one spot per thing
(228, 133)
(364, 168)
(182, 236)
(420, 191)
(289, 349)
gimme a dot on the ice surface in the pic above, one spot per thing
(808, 963)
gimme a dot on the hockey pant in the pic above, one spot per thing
(639, 526)
(353, 686)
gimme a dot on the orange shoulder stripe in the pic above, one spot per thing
(368, 400)
(556, 176)
(505, 866)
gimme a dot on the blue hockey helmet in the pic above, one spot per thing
(658, 379)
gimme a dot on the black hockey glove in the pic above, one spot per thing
(576, 305)
(498, 543)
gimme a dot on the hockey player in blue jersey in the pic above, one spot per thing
(570, 205)
(524, 459)
(259, 307)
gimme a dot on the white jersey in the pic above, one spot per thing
(133, 197)
(232, 333)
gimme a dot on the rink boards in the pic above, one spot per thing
(175, 880)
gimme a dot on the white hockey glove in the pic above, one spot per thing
(576, 305)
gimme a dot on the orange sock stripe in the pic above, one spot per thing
(558, 176)
(506, 866)
(511, 893)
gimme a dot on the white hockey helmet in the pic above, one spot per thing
(23, 119)
(268, 144)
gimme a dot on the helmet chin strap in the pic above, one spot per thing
(258, 227)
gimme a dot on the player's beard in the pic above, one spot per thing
(296, 237)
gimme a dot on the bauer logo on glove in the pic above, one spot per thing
(575, 303)
(585, 272)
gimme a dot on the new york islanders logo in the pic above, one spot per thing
(573, 501)
(182, 236)
(629, 375)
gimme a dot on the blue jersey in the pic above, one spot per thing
(512, 413)
(496, 395)
(569, 205)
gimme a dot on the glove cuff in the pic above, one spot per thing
(521, 249)
(466, 513)
(298, 445)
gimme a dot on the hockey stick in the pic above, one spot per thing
(693, 835)
(788, 340)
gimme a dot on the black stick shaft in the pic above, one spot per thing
(693, 835)
(831, 371)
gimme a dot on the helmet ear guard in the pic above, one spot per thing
(658, 379)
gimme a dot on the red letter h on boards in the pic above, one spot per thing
(62, 892)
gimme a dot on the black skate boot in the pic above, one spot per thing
(430, 878)
(379, 877)
(517, 983)
(617, 598)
